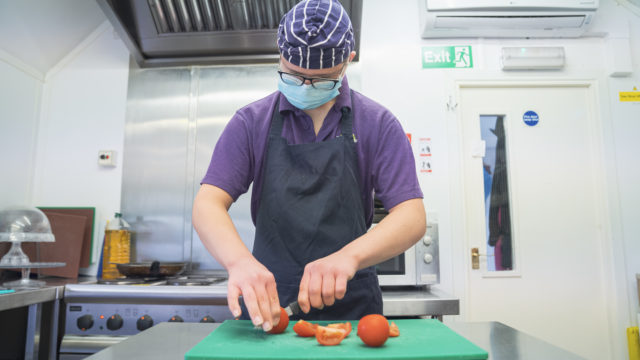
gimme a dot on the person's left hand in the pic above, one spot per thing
(325, 280)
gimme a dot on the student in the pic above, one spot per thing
(316, 152)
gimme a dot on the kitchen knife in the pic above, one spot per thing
(291, 309)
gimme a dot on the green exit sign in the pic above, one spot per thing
(438, 57)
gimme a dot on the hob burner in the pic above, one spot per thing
(188, 282)
(126, 281)
(194, 281)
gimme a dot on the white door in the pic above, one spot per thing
(535, 154)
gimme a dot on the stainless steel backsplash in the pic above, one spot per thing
(174, 119)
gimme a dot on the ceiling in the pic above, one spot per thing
(40, 33)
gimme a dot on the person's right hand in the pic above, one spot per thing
(257, 285)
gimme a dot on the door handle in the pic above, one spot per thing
(475, 258)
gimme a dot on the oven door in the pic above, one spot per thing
(399, 270)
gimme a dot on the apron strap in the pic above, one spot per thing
(275, 130)
(346, 126)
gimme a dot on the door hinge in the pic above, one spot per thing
(451, 104)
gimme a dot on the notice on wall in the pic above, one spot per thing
(531, 118)
(443, 57)
(424, 157)
(630, 96)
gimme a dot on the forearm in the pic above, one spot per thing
(398, 231)
(247, 277)
(215, 228)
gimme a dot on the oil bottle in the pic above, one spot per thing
(117, 247)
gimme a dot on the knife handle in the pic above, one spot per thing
(293, 308)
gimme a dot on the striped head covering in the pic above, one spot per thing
(316, 34)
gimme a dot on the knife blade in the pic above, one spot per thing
(292, 309)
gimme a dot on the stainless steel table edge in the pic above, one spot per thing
(506, 343)
(419, 302)
(30, 297)
(163, 341)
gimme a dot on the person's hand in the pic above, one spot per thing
(325, 280)
(256, 284)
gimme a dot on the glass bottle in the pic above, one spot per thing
(117, 247)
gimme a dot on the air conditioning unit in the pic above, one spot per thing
(506, 18)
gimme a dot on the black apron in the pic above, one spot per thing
(310, 207)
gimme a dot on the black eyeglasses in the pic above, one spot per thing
(298, 80)
(316, 82)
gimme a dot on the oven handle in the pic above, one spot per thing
(134, 294)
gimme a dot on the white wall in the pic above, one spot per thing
(392, 74)
(19, 105)
(83, 111)
(418, 97)
(625, 120)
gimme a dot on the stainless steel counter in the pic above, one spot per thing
(173, 340)
(30, 297)
(419, 302)
(42, 318)
(506, 343)
(53, 290)
(405, 302)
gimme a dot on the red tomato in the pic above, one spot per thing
(393, 330)
(330, 336)
(373, 329)
(346, 326)
(305, 328)
(282, 324)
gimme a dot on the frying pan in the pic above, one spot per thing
(153, 269)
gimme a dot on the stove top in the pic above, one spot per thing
(182, 280)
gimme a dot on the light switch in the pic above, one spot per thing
(107, 158)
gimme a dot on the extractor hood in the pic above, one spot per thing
(205, 32)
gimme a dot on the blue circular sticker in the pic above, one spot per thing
(531, 118)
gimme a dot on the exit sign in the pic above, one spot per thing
(438, 57)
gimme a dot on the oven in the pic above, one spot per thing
(419, 265)
(106, 312)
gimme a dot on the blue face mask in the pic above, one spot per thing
(305, 96)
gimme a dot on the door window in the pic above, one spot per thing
(496, 194)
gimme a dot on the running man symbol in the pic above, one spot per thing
(462, 57)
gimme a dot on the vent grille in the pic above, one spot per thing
(544, 22)
(189, 16)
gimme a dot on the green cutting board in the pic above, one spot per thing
(419, 339)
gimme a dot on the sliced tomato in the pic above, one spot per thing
(330, 336)
(393, 330)
(305, 328)
(346, 326)
(282, 324)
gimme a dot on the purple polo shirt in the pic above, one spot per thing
(385, 158)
